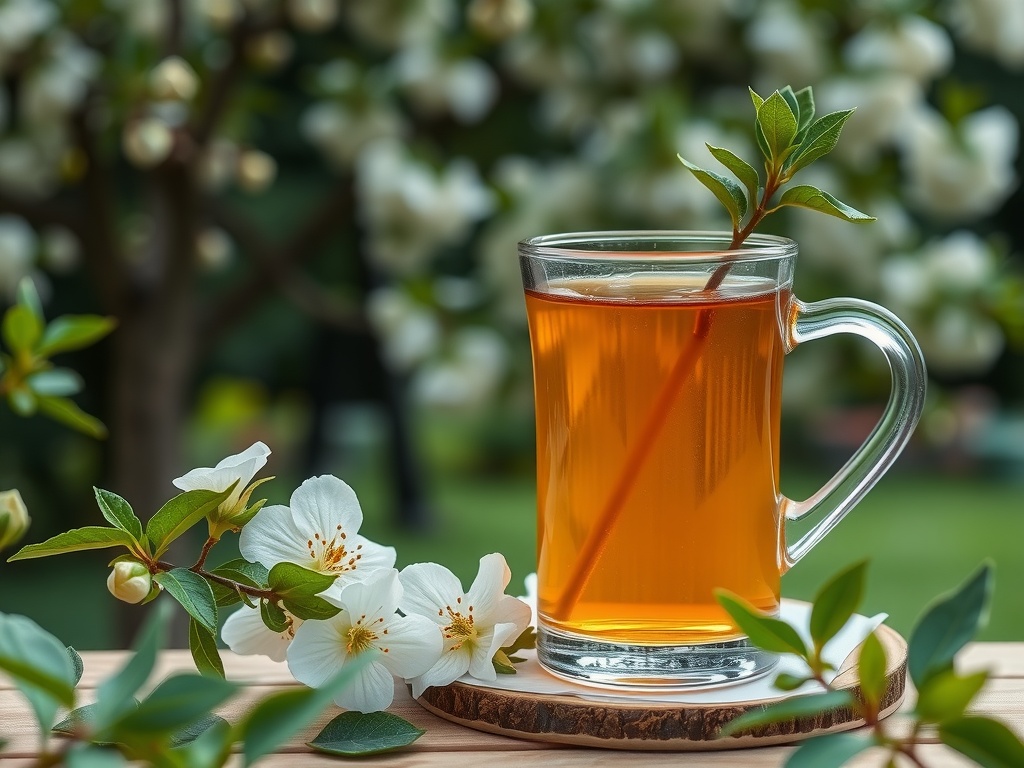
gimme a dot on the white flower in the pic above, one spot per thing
(409, 331)
(173, 79)
(130, 581)
(239, 470)
(14, 519)
(246, 634)
(789, 45)
(405, 646)
(18, 244)
(256, 171)
(313, 15)
(147, 142)
(469, 377)
(475, 624)
(994, 27)
(319, 531)
(913, 45)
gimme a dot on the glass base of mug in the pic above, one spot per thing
(582, 659)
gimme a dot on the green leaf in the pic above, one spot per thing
(39, 665)
(72, 332)
(778, 123)
(829, 751)
(298, 588)
(274, 617)
(758, 101)
(279, 717)
(118, 513)
(21, 329)
(786, 92)
(177, 702)
(502, 663)
(805, 101)
(726, 190)
(204, 744)
(81, 721)
(946, 695)
(76, 664)
(92, 756)
(23, 401)
(194, 594)
(836, 602)
(76, 540)
(764, 632)
(789, 709)
(787, 682)
(353, 733)
(871, 670)
(203, 645)
(821, 138)
(70, 415)
(194, 730)
(526, 640)
(948, 625)
(311, 608)
(740, 168)
(114, 695)
(28, 296)
(985, 741)
(56, 382)
(244, 572)
(806, 196)
(181, 513)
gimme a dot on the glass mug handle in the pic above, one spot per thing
(906, 401)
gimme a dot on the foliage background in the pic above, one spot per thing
(317, 247)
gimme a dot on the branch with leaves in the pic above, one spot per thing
(944, 695)
(29, 381)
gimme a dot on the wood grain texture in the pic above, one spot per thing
(645, 726)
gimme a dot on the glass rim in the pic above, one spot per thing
(677, 246)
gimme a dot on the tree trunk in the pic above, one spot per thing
(154, 351)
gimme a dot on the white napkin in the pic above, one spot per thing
(532, 678)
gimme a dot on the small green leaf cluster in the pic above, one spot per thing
(172, 725)
(790, 139)
(944, 695)
(29, 381)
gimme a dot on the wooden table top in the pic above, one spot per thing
(449, 745)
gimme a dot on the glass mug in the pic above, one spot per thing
(657, 364)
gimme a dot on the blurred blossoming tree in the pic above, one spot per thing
(375, 161)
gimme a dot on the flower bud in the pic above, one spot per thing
(256, 170)
(173, 80)
(148, 142)
(130, 581)
(14, 519)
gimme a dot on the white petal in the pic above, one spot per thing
(429, 588)
(256, 455)
(374, 557)
(318, 651)
(414, 645)
(487, 644)
(488, 587)
(375, 597)
(245, 633)
(271, 538)
(371, 691)
(512, 610)
(323, 503)
(450, 667)
(206, 479)
(241, 467)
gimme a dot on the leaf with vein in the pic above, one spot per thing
(194, 594)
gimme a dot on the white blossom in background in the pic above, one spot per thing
(147, 142)
(219, 164)
(788, 44)
(18, 245)
(993, 27)
(313, 15)
(622, 52)
(368, 625)
(219, 14)
(475, 624)
(400, 23)
(468, 376)
(499, 19)
(464, 87)
(245, 633)
(408, 331)
(21, 21)
(173, 79)
(884, 102)
(58, 84)
(341, 131)
(702, 27)
(26, 168)
(543, 63)
(61, 251)
(963, 172)
(960, 339)
(146, 18)
(912, 45)
(411, 210)
(214, 249)
(256, 171)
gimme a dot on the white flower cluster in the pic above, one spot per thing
(418, 625)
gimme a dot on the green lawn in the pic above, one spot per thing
(923, 534)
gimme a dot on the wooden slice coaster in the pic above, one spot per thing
(613, 724)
